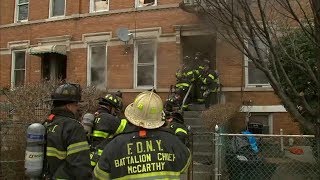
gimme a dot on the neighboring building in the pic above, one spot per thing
(77, 41)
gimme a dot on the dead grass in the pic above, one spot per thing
(221, 115)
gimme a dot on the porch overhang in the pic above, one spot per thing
(39, 50)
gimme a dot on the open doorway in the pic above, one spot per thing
(54, 66)
(201, 43)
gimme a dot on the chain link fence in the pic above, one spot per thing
(260, 157)
(12, 152)
(202, 149)
(13, 139)
(253, 157)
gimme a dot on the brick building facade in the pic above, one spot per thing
(83, 36)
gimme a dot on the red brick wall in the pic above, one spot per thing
(6, 11)
(33, 69)
(77, 66)
(38, 9)
(121, 4)
(167, 63)
(120, 66)
(5, 70)
(229, 64)
(76, 28)
(257, 98)
(285, 121)
(73, 7)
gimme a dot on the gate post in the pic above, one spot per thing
(317, 148)
(0, 151)
(216, 153)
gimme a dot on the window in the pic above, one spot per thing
(54, 66)
(254, 76)
(145, 58)
(18, 72)
(264, 119)
(22, 10)
(144, 3)
(99, 5)
(57, 8)
(97, 66)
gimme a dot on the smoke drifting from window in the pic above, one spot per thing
(98, 66)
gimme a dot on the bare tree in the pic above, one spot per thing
(256, 28)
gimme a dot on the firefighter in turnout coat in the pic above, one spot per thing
(67, 149)
(151, 152)
(106, 125)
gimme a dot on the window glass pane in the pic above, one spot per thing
(23, 12)
(256, 76)
(98, 77)
(58, 7)
(19, 60)
(23, 1)
(98, 59)
(145, 76)
(19, 76)
(146, 52)
(100, 5)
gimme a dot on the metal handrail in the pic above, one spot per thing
(185, 97)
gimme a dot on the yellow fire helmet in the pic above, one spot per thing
(145, 111)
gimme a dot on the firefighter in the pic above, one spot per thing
(185, 78)
(209, 84)
(151, 152)
(198, 64)
(174, 101)
(106, 125)
(175, 122)
(198, 70)
(119, 96)
(67, 151)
